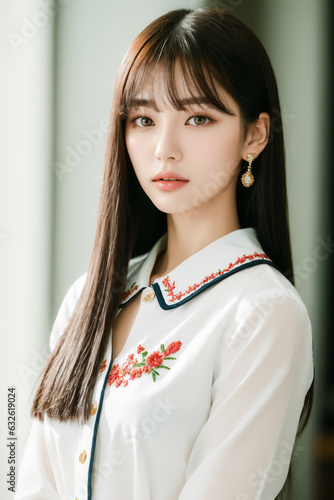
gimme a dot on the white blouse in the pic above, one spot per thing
(204, 399)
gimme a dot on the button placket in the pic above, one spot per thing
(84, 453)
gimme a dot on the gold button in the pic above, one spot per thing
(83, 456)
(93, 408)
(148, 297)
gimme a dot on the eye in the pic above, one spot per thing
(143, 121)
(201, 119)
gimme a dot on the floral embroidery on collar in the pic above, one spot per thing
(192, 288)
(103, 366)
(131, 369)
(129, 292)
(195, 286)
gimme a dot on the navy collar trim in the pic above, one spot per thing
(193, 294)
(222, 258)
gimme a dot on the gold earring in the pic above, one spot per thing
(247, 178)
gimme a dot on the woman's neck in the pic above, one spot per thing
(184, 240)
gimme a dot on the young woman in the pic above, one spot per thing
(181, 363)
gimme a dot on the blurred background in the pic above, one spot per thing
(59, 60)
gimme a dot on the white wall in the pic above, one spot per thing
(25, 213)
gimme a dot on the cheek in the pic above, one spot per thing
(220, 155)
(130, 143)
(136, 149)
(219, 150)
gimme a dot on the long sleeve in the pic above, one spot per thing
(66, 309)
(263, 369)
(36, 480)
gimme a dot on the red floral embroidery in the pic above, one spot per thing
(129, 292)
(154, 360)
(172, 348)
(131, 369)
(192, 288)
(103, 366)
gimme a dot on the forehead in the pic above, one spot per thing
(166, 87)
(157, 86)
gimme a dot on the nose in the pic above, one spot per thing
(168, 147)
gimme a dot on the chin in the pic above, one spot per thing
(174, 208)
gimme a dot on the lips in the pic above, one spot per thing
(170, 185)
(168, 176)
(166, 179)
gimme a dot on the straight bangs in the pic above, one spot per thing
(196, 72)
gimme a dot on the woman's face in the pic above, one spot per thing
(203, 146)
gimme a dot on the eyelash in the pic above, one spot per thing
(194, 116)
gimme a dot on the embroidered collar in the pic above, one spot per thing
(218, 260)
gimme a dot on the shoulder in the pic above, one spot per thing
(272, 303)
(66, 309)
(270, 321)
(264, 283)
(268, 301)
(73, 294)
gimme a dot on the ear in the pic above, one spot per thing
(257, 136)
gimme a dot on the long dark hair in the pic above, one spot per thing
(213, 47)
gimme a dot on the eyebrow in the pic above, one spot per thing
(136, 103)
